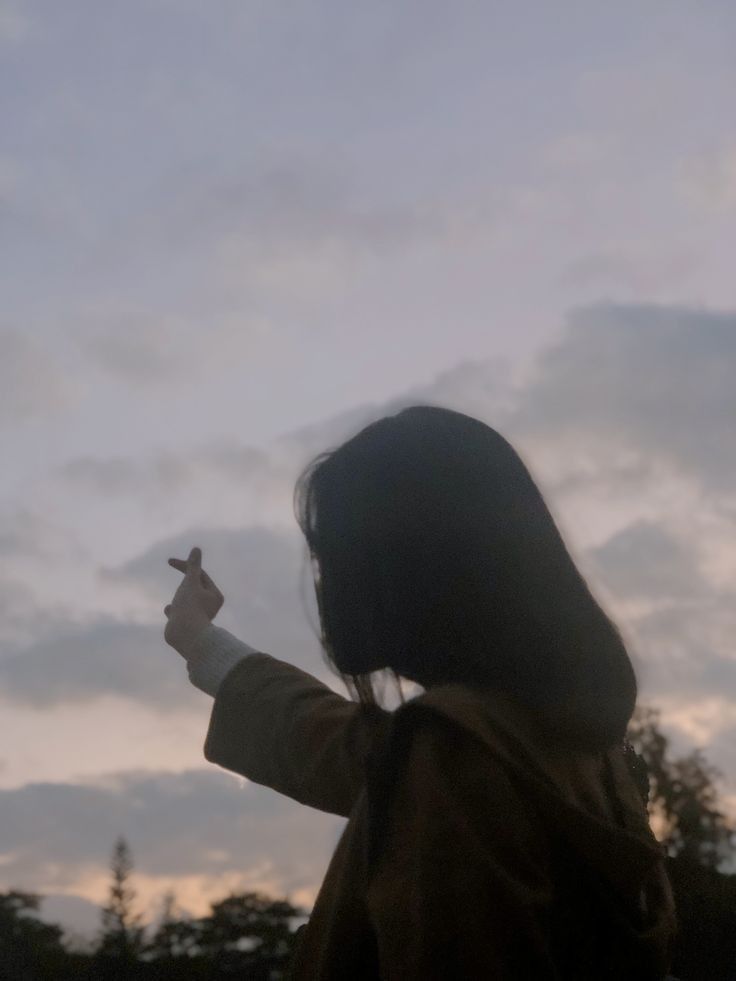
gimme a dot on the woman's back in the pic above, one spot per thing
(470, 835)
(543, 853)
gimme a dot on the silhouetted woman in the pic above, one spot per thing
(495, 830)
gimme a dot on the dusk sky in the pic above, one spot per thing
(234, 232)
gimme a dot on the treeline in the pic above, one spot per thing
(699, 839)
(252, 936)
(245, 935)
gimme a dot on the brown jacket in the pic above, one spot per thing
(473, 848)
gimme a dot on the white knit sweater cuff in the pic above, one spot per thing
(212, 657)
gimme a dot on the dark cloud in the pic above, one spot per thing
(200, 822)
(686, 647)
(78, 663)
(269, 598)
(624, 390)
(269, 603)
(653, 381)
(646, 561)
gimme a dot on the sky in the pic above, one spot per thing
(232, 234)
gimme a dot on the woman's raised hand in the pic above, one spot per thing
(195, 603)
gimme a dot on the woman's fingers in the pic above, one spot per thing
(209, 583)
(206, 580)
(197, 596)
(193, 562)
(185, 566)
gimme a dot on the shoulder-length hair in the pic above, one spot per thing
(436, 557)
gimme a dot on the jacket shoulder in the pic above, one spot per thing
(429, 756)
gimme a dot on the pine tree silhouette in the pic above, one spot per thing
(121, 940)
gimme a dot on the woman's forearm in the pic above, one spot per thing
(279, 726)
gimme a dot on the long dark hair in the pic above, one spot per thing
(436, 557)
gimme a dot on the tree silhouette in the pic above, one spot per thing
(121, 939)
(683, 796)
(30, 950)
(698, 838)
(175, 935)
(244, 935)
(249, 932)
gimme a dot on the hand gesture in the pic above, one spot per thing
(195, 603)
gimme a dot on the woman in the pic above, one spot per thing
(494, 827)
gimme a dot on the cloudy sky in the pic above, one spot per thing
(233, 233)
